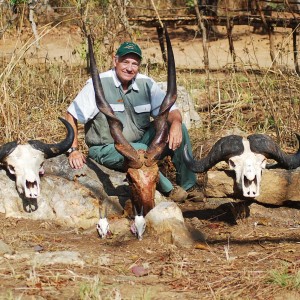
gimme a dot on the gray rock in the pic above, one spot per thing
(110, 187)
(48, 258)
(166, 222)
(119, 227)
(65, 202)
(57, 257)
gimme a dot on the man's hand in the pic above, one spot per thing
(76, 159)
(175, 134)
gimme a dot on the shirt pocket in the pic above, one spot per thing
(142, 115)
(117, 107)
(145, 108)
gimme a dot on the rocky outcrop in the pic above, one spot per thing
(68, 197)
(65, 202)
(166, 222)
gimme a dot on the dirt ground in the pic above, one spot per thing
(252, 50)
(250, 252)
(254, 258)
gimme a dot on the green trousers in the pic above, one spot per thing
(108, 156)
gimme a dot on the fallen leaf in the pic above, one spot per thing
(201, 246)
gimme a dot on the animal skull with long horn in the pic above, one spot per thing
(247, 157)
(25, 161)
(142, 169)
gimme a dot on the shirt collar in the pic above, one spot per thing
(117, 82)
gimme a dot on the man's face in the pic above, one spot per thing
(127, 67)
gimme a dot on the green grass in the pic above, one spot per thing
(284, 277)
(91, 290)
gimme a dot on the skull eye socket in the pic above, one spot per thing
(11, 169)
(231, 163)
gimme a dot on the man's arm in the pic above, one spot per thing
(76, 158)
(174, 117)
(175, 134)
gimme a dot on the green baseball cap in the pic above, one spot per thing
(129, 47)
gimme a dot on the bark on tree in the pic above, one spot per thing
(31, 6)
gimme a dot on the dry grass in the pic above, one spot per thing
(34, 95)
(249, 102)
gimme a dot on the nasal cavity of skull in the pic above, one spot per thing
(31, 186)
(248, 183)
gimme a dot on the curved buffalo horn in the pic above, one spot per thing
(52, 150)
(115, 125)
(223, 149)
(7, 148)
(159, 142)
(263, 144)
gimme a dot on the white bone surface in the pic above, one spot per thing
(248, 169)
(26, 163)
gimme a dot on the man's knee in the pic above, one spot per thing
(106, 155)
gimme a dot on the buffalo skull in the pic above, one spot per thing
(25, 162)
(142, 169)
(247, 157)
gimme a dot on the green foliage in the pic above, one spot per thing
(189, 3)
(16, 2)
(277, 6)
(91, 290)
(284, 277)
(271, 122)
